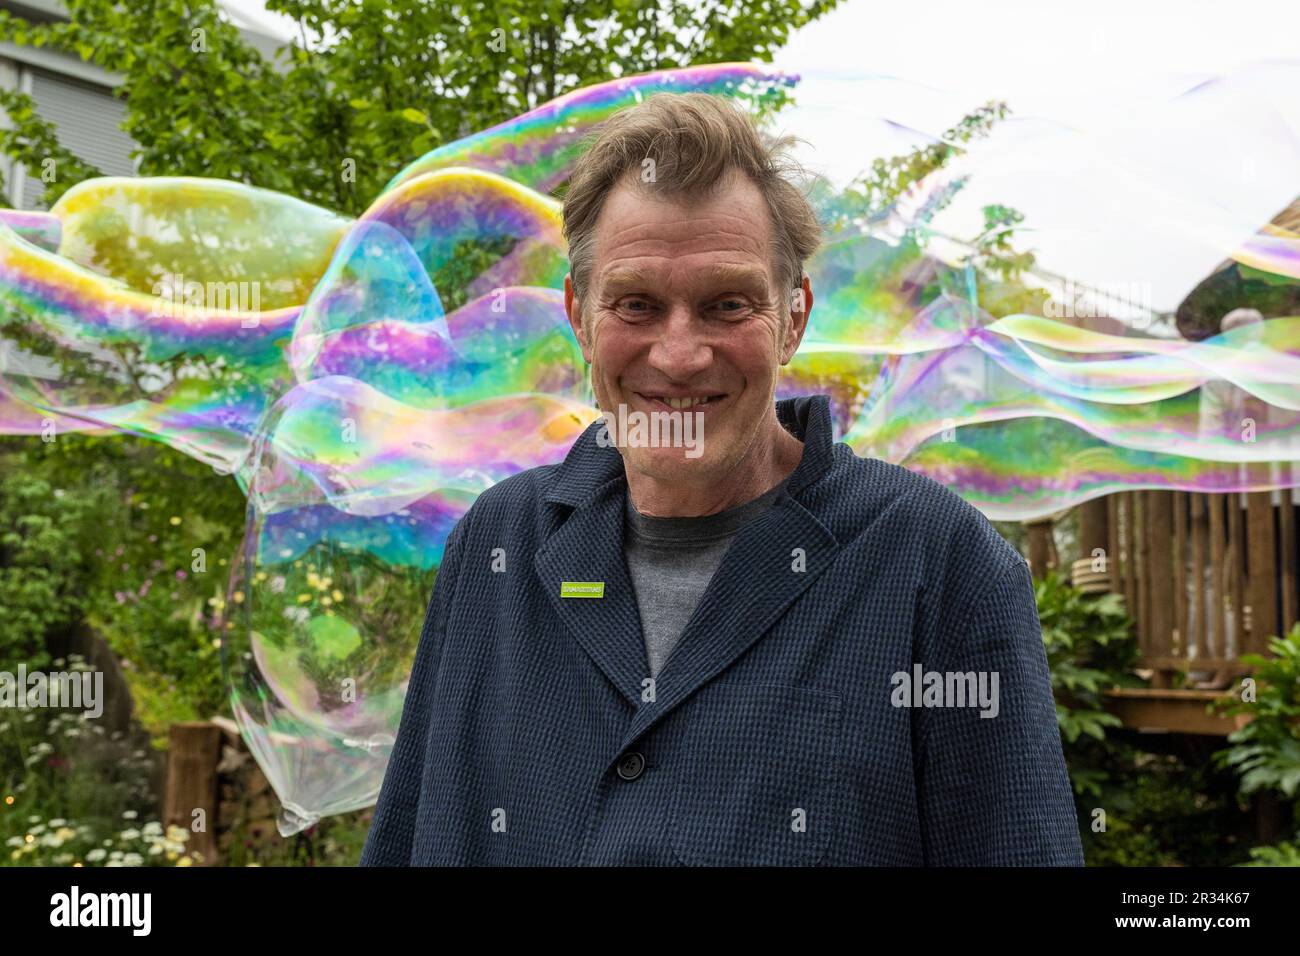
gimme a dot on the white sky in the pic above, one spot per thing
(1120, 183)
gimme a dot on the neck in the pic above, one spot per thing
(771, 458)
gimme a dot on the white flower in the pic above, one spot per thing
(95, 855)
(131, 834)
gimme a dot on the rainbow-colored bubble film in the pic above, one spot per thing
(364, 380)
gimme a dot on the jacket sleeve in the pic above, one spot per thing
(994, 791)
(392, 830)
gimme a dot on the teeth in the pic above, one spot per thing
(685, 402)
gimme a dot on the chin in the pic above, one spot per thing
(668, 464)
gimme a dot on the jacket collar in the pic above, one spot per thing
(755, 583)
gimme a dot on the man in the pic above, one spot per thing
(751, 649)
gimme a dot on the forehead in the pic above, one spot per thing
(723, 236)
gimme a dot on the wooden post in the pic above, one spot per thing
(1160, 516)
(1218, 647)
(1142, 564)
(1287, 549)
(1180, 573)
(1040, 547)
(1112, 544)
(1237, 537)
(192, 757)
(1262, 583)
(1200, 534)
(1130, 575)
(1093, 529)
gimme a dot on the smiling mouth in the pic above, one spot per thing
(682, 403)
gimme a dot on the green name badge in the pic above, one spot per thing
(582, 589)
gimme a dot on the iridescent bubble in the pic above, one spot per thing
(365, 380)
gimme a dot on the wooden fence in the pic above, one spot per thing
(1206, 579)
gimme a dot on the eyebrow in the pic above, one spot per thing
(718, 274)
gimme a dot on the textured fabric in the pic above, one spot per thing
(671, 561)
(531, 733)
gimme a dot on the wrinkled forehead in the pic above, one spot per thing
(648, 237)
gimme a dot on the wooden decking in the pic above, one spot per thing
(1206, 578)
(1169, 710)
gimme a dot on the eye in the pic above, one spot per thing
(635, 305)
(732, 305)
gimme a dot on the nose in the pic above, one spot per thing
(682, 348)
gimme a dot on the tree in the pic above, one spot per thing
(376, 82)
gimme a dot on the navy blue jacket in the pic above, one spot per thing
(774, 735)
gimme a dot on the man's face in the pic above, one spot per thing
(683, 304)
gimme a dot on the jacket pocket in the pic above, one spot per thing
(758, 776)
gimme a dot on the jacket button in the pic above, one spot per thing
(631, 765)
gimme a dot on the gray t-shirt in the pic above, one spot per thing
(671, 561)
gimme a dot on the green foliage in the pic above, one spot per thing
(45, 535)
(1161, 810)
(871, 195)
(71, 791)
(35, 143)
(1136, 807)
(1090, 648)
(334, 841)
(1286, 853)
(1266, 752)
(127, 515)
(396, 79)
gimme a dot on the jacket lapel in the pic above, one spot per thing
(756, 582)
(589, 547)
(753, 586)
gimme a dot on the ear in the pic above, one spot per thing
(801, 302)
(573, 309)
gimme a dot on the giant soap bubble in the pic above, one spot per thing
(364, 380)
